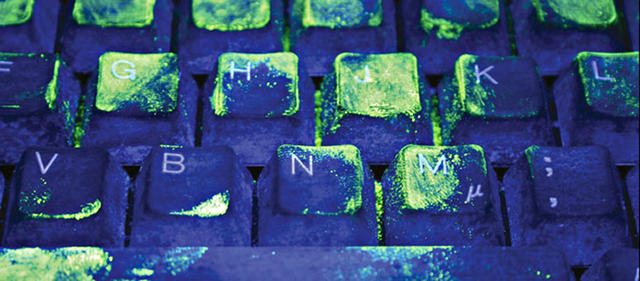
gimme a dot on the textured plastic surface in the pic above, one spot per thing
(615, 264)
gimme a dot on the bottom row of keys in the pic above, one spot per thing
(568, 198)
(309, 263)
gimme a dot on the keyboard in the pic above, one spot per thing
(319, 140)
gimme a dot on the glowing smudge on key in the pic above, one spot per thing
(449, 29)
(440, 261)
(15, 11)
(87, 210)
(340, 13)
(72, 263)
(114, 13)
(571, 13)
(231, 15)
(217, 205)
(52, 88)
(174, 261)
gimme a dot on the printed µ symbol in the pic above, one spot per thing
(4, 66)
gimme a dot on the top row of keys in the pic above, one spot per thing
(437, 33)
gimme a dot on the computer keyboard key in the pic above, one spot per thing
(632, 14)
(38, 103)
(287, 263)
(316, 196)
(615, 265)
(228, 26)
(28, 26)
(94, 27)
(191, 197)
(257, 102)
(633, 187)
(438, 32)
(66, 197)
(568, 199)
(438, 195)
(378, 103)
(322, 29)
(597, 101)
(553, 32)
(498, 103)
(136, 101)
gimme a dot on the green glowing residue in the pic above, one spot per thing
(440, 260)
(178, 260)
(231, 15)
(427, 177)
(379, 208)
(52, 88)
(173, 146)
(87, 210)
(142, 272)
(72, 263)
(384, 85)
(351, 183)
(318, 117)
(125, 13)
(568, 13)
(340, 14)
(435, 121)
(283, 63)
(215, 206)
(452, 29)
(15, 11)
(148, 82)
(613, 89)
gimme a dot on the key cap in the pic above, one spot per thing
(228, 26)
(553, 32)
(289, 263)
(190, 197)
(94, 27)
(633, 186)
(67, 197)
(322, 29)
(568, 199)
(316, 196)
(496, 102)
(28, 26)
(439, 32)
(615, 265)
(137, 101)
(597, 102)
(375, 102)
(38, 103)
(632, 14)
(438, 195)
(257, 102)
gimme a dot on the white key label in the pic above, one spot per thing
(129, 73)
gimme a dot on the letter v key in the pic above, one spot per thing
(44, 170)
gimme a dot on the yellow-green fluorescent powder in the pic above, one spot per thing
(384, 85)
(427, 178)
(283, 64)
(610, 82)
(180, 259)
(341, 13)
(14, 12)
(437, 259)
(52, 88)
(215, 206)
(123, 13)
(350, 197)
(566, 13)
(86, 211)
(230, 15)
(142, 272)
(72, 263)
(146, 83)
(479, 14)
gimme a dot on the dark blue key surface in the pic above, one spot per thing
(190, 197)
(566, 198)
(65, 197)
(597, 101)
(633, 186)
(632, 14)
(101, 26)
(439, 32)
(283, 263)
(200, 46)
(615, 265)
(137, 101)
(436, 195)
(496, 102)
(257, 102)
(28, 26)
(316, 196)
(38, 103)
(320, 30)
(554, 37)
